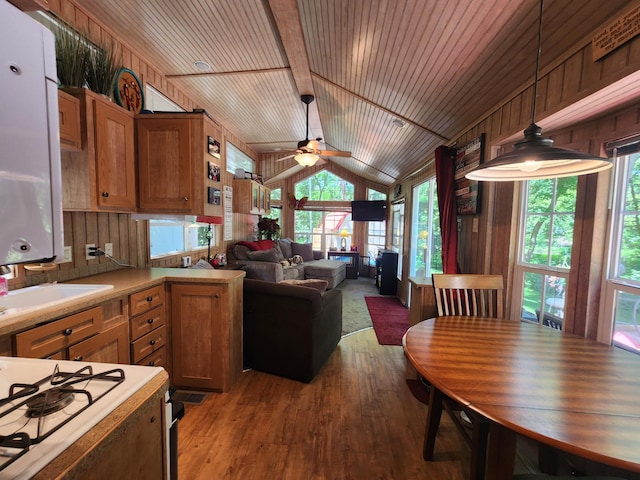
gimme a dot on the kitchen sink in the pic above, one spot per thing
(45, 296)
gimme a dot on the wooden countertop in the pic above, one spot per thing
(124, 281)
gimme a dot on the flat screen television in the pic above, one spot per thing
(369, 210)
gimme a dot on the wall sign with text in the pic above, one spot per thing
(468, 157)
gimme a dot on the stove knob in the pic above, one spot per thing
(68, 332)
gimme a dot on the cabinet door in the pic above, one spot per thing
(110, 346)
(69, 119)
(165, 167)
(196, 323)
(115, 161)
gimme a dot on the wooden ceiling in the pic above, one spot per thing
(438, 66)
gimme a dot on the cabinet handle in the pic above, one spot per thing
(67, 332)
(152, 342)
(78, 358)
(216, 296)
(152, 363)
(149, 298)
(150, 321)
(105, 194)
(185, 199)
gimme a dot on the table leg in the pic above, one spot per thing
(433, 422)
(502, 453)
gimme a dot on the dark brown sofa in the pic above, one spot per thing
(289, 330)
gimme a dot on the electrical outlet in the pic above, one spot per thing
(67, 255)
(108, 249)
(86, 251)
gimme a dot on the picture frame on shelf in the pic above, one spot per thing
(468, 192)
(213, 147)
(213, 172)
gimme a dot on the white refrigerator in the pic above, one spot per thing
(30, 178)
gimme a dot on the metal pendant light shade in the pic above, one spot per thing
(535, 157)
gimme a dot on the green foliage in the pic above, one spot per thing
(324, 186)
(102, 68)
(72, 57)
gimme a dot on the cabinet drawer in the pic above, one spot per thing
(52, 337)
(145, 300)
(149, 343)
(156, 359)
(146, 322)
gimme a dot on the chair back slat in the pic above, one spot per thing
(469, 295)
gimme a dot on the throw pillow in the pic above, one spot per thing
(265, 244)
(305, 250)
(264, 256)
(320, 285)
(285, 247)
(252, 245)
(240, 252)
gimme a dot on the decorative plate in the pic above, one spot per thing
(128, 91)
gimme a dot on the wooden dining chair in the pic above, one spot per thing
(463, 295)
(469, 295)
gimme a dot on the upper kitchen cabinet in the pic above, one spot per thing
(179, 164)
(251, 197)
(101, 176)
(69, 120)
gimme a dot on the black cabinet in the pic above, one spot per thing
(386, 272)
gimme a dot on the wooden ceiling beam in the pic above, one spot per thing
(287, 18)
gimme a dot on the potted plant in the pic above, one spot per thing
(72, 54)
(103, 66)
(268, 229)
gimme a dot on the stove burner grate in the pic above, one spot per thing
(61, 392)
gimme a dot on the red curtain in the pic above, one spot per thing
(445, 170)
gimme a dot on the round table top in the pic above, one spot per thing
(564, 390)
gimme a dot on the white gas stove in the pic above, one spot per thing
(46, 405)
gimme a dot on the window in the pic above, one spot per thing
(324, 186)
(322, 227)
(397, 232)
(544, 250)
(622, 288)
(170, 236)
(237, 159)
(376, 231)
(426, 243)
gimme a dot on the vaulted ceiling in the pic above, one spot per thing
(437, 66)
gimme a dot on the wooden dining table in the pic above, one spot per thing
(562, 390)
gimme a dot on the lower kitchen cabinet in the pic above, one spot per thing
(109, 346)
(206, 335)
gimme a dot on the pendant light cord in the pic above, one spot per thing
(535, 81)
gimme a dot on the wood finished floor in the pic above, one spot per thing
(356, 420)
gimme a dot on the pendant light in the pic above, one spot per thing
(535, 157)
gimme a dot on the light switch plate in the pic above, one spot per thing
(68, 252)
(108, 249)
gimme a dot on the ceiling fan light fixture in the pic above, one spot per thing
(535, 157)
(306, 159)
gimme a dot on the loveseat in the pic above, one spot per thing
(289, 330)
(270, 261)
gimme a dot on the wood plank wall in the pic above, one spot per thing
(562, 91)
(130, 238)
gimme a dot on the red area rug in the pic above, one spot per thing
(390, 319)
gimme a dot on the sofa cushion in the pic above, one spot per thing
(320, 285)
(305, 250)
(273, 255)
(258, 244)
(285, 247)
(240, 251)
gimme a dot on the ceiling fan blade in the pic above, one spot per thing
(288, 156)
(334, 153)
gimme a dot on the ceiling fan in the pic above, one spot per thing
(308, 152)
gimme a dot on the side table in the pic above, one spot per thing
(352, 259)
